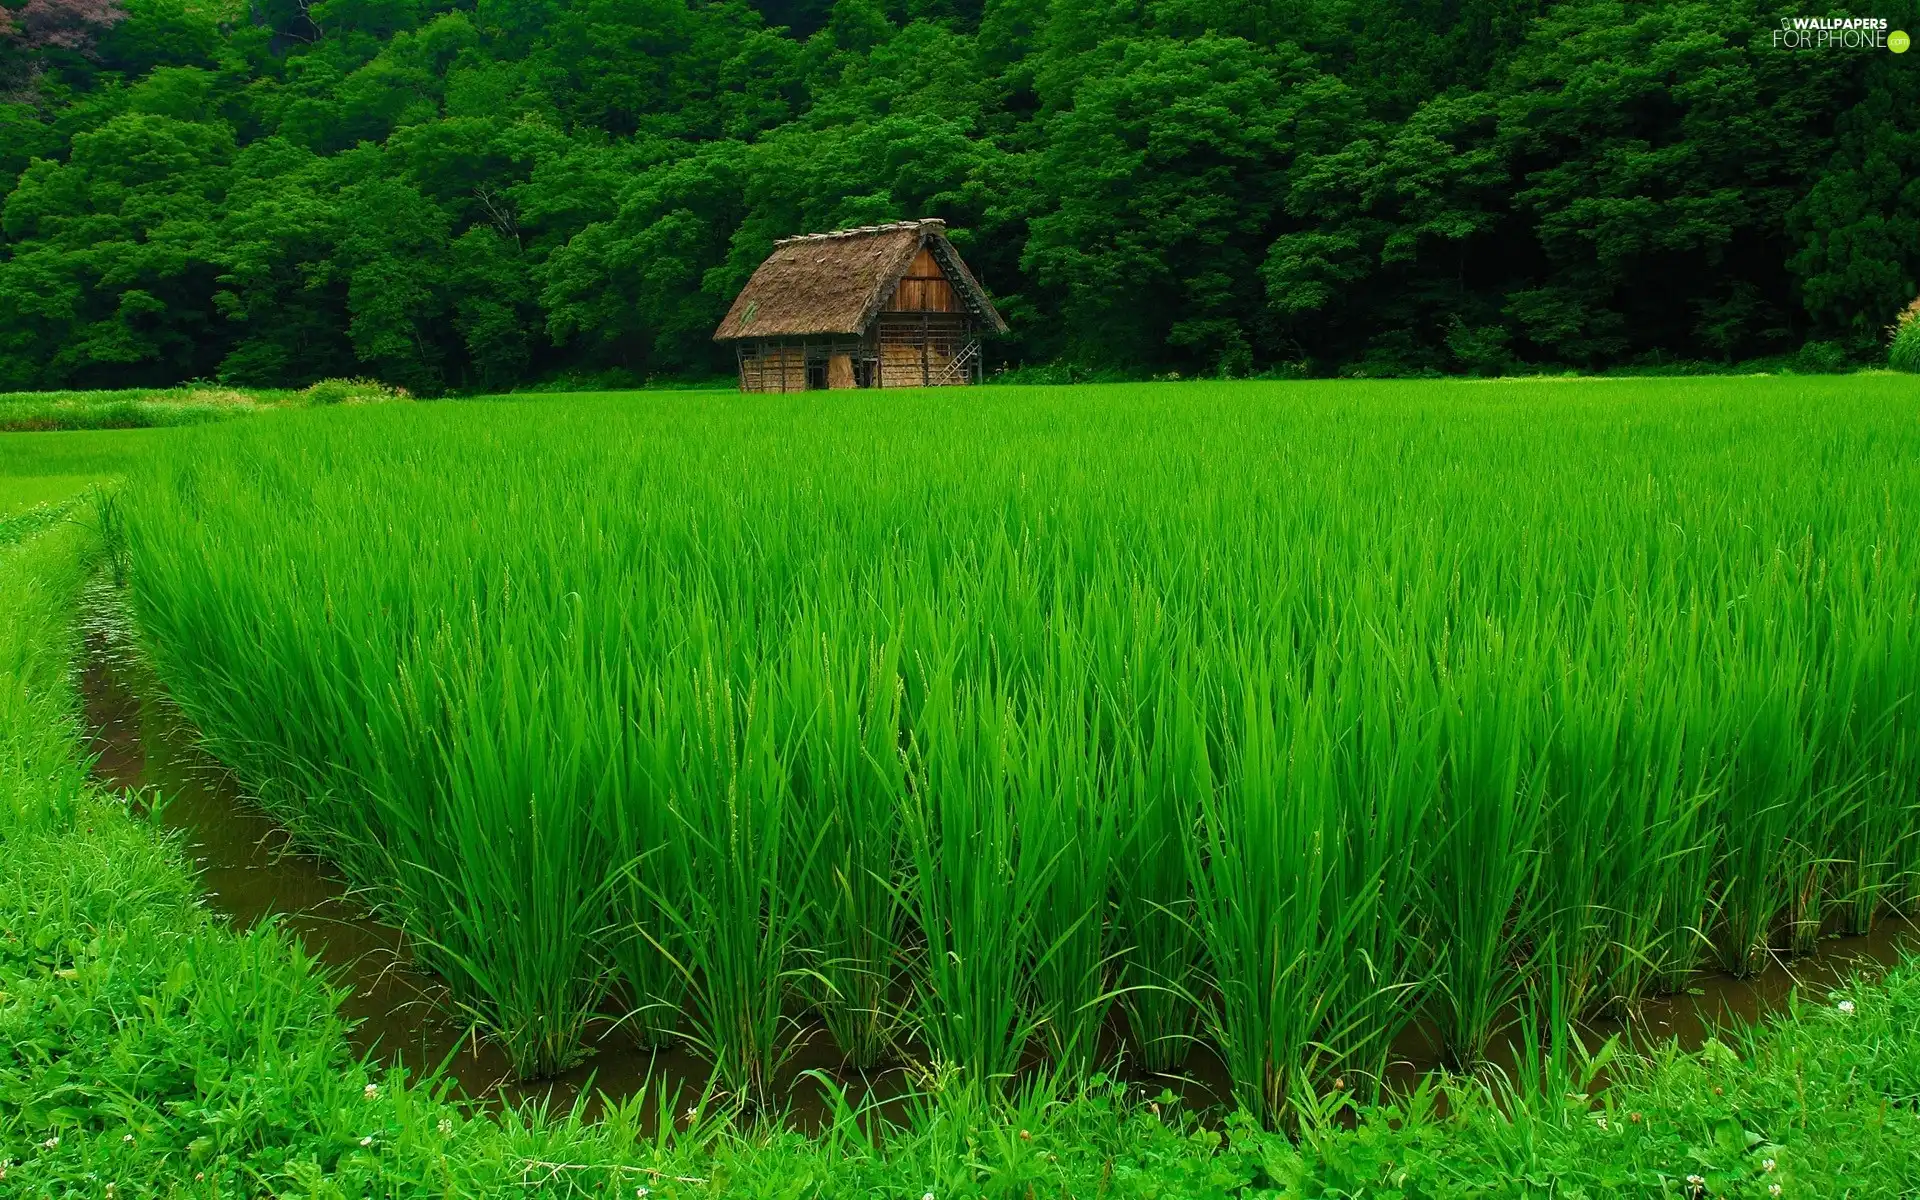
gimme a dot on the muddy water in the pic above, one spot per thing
(403, 1015)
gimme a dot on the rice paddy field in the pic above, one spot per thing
(1004, 730)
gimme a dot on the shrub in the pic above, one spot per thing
(1057, 374)
(1480, 349)
(213, 397)
(352, 391)
(1820, 358)
(1904, 354)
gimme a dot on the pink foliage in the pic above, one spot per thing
(67, 24)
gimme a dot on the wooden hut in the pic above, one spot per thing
(878, 306)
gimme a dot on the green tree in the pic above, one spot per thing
(1857, 230)
(113, 255)
(1165, 180)
(480, 193)
(1659, 150)
(1398, 242)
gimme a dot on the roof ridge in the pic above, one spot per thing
(863, 230)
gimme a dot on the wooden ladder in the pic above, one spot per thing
(960, 367)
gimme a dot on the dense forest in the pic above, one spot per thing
(464, 194)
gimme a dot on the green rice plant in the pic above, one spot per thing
(1836, 775)
(737, 908)
(1681, 931)
(1069, 831)
(1659, 863)
(850, 781)
(1386, 767)
(1161, 777)
(1397, 702)
(1489, 818)
(1873, 658)
(524, 877)
(1581, 838)
(1618, 807)
(635, 818)
(974, 886)
(1629, 798)
(1275, 917)
(1878, 845)
(1756, 805)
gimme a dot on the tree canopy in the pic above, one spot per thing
(483, 193)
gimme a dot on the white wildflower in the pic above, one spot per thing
(1767, 1165)
(446, 1126)
(1846, 1007)
(371, 1090)
(127, 1137)
(367, 1141)
(1773, 1189)
(50, 1143)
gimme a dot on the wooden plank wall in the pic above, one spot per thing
(924, 288)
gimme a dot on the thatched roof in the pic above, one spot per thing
(828, 283)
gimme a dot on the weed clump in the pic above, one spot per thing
(212, 397)
(352, 391)
(1904, 354)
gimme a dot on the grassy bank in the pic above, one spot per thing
(148, 1050)
(142, 408)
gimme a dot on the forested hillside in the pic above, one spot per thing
(476, 194)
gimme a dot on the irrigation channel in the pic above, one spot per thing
(251, 870)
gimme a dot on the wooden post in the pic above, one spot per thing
(926, 332)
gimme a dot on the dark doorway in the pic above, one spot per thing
(816, 376)
(863, 372)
